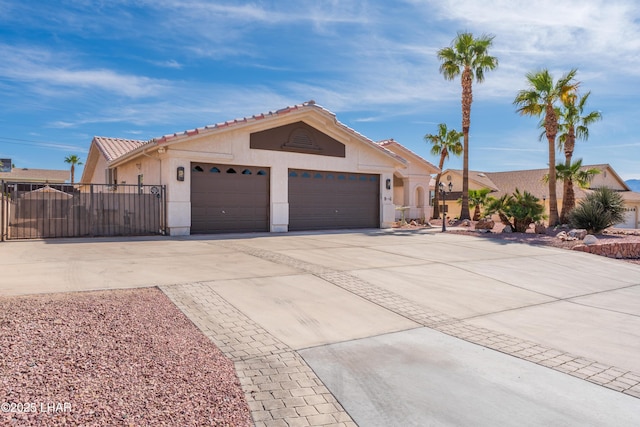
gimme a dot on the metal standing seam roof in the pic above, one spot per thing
(114, 148)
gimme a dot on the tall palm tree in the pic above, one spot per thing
(73, 160)
(445, 142)
(573, 126)
(468, 57)
(540, 99)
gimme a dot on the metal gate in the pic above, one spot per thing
(35, 211)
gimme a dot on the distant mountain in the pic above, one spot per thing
(634, 184)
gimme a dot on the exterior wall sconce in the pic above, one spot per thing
(180, 173)
(388, 184)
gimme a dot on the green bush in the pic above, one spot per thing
(599, 210)
(518, 210)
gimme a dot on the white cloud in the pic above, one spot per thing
(41, 69)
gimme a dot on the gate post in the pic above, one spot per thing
(2, 211)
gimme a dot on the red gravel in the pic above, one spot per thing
(117, 358)
(611, 235)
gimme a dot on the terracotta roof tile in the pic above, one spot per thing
(112, 148)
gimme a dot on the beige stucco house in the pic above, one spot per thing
(297, 168)
(532, 181)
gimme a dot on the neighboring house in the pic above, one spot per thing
(532, 181)
(36, 176)
(297, 168)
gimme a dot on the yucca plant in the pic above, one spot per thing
(599, 210)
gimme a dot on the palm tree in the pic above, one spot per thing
(540, 99)
(573, 125)
(478, 198)
(445, 142)
(73, 160)
(469, 58)
(570, 174)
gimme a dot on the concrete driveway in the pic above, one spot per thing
(382, 327)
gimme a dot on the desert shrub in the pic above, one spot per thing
(518, 210)
(601, 209)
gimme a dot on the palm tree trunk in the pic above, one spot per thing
(551, 128)
(569, 201)
(568, 195)
(467, 99)
(73, 172)
(436, 199)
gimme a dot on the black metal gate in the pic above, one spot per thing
(35, 211)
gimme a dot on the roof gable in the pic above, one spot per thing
(403, 151)
(118, 149)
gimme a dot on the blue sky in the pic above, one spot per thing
(73, 69)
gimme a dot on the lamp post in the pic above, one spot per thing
(444, 214)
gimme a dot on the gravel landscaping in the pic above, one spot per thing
(119, 358)
(609, 236)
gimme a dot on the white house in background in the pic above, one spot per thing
(297, 168)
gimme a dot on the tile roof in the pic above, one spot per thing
(530, 180)
(243, 120)
(481, 178)
(391, 142)
(36, 175)
(114, 148)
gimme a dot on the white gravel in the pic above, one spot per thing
(117, 358)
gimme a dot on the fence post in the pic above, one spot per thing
(2, 211)
(164, 210)
(91, 231)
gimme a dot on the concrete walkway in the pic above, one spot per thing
(384, 327)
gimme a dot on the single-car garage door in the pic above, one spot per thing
(229, 198)
(321, 200)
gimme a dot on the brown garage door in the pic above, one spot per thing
(333, 200)
(229, 198)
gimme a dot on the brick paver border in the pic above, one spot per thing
(618, 379)
(279, 386)
(282, 390)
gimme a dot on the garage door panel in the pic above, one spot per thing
(229, 202)
(331, 200)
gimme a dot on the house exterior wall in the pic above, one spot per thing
(232, 147)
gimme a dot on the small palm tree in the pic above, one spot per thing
(468, 58)
(73, 160)
(570, 175)
(540, 99)
(478, 199)
(445, 142)
(524, 208)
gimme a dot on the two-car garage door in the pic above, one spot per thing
(233, 198)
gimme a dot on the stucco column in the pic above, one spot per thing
(279, 195)
(387, 206)
(178, 196)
